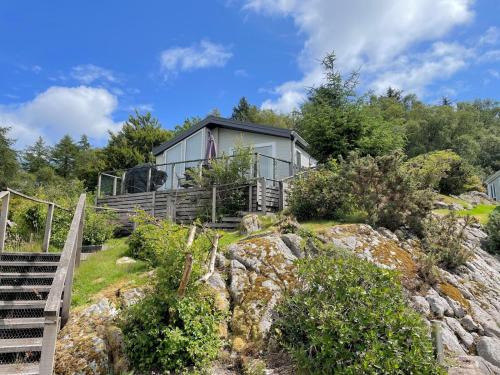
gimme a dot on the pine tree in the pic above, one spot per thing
(8, 157)
(36, 157)
(64, 156)
(243, 111)
(83, 143)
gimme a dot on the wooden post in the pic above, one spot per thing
(148, 187)
(4, 214)
(170, 209)
(437, 338)
(153, 202)
(98, 195)
(281, 195)
(257, 166)
(250, 198)
(263, 195)
(274, 171)
(188, 267)
(66, 301)
(50, 330)
(79, 240)
(122, 185)
(172, 178)
(115, 182)
(211, 264)
(48, 228)
(214, 203)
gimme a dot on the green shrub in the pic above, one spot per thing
(443, 239)
(493, 230)
(383, 189)
(163, 332)
(319, 194)
(99, 227)
(350, 317)
(170, 334)
(444, 171)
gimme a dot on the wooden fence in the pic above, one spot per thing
(185, 205)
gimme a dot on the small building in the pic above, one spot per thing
(493, 186)
(281, 152)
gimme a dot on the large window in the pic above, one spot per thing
(175, 171)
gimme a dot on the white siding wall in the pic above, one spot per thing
(494, 189)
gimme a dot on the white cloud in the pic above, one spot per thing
(241, 73)
(492, 36)
(89, 73)
(59, 111)
(198, 56)
(366, 35)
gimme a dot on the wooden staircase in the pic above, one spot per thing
(25, 282)
(229, 223)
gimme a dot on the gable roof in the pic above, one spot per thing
(493, 177)
(219, 122)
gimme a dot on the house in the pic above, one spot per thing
(493, 186)
(281, 152)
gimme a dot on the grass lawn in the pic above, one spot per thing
(481, 212)
(100, 270)
(318, 225)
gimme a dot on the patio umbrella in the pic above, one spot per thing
(211, 152)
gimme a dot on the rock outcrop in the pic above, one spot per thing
(466, 302)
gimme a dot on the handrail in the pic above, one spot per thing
(33, 199)
(55, 311)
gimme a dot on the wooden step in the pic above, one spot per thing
(24, 288)
(19, 368)
(229, 219)
(222, 225)
(16, 305)
(18, 323)
(18, 263)
(31, 254)
(20, 345)
(27, 275)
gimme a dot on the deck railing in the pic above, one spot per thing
(56, 311)
(111, 183)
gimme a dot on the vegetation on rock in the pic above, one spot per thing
(493, 230)
(350, 317)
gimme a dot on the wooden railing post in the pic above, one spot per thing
(50, 330)
(4, 214)
(122, 185)
(263, 195)
(250, 197)
(214, 203)
(48, 228)
(115, 183)
(148, 187)
(79, 241)
(98, 194)
(172, 178)
(281, 196)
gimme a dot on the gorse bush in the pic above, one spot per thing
(378, 187)
(493, 230)
(350, 317)
(443, 240)
(443, 171)
(163, 332)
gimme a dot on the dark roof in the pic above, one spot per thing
(219, 122)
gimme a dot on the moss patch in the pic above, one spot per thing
(454, 294)
(390, 254)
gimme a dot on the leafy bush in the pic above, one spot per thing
(164, 332)
(350, 317)
(443, 239)
(99, 227)
(318, 194)
(493, 230)
(381, 187)
(444, 171)
(170, 334)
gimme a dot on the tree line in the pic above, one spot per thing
(335, 119)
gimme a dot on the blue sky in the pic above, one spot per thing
(83, 66)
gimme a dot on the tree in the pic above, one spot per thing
(250, 113)
(242, 112)
(189, 122)
(133, 144)
(83, 143)
(36, 157)
(335, 120)
(64, 156)
(88, 164)
(8, 157)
